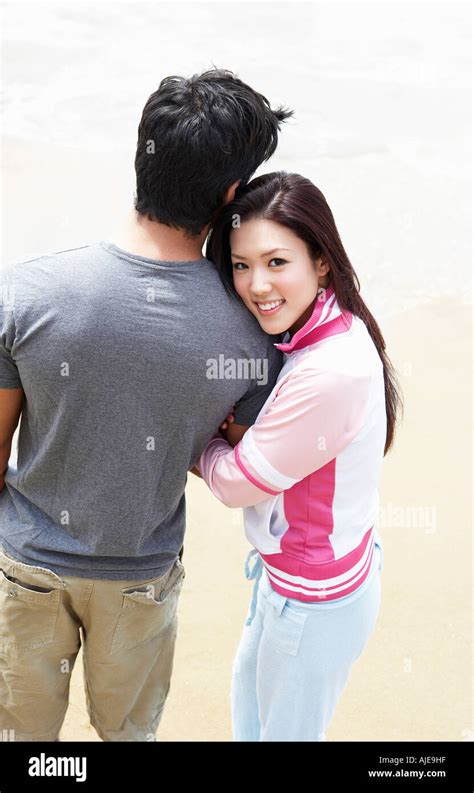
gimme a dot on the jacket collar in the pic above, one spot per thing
(326, 320)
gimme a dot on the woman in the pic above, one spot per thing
(307, 471)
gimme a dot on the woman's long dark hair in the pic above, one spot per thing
(295, 202)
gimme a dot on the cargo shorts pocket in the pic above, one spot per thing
(147, 609)
(284, 629)
(28, 610)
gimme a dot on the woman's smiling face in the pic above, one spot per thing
(275, 275)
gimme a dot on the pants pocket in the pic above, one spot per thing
(284, 630)
(28, 612)
(147, 609)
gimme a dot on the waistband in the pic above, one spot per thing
(258, 573)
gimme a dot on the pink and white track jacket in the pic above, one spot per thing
(307, 471)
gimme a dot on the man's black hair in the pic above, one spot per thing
(196, 137)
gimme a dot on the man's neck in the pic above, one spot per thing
(154, 240)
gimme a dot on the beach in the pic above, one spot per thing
(382, 127)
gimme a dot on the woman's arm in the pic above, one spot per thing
(231, 432)
(313, 417)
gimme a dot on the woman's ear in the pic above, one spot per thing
(322, 267)
(323, 272)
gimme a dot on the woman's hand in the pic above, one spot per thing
(230, 418)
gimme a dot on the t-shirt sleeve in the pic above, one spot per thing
(249, 406)
(312, 418)
(9, 377)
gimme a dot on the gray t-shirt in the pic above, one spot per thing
(128, 365)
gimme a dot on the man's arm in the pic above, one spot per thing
(233, 434)
(245, 412)
(11, 402)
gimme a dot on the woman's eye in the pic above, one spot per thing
(242, 265)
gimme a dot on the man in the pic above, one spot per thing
(110, 352)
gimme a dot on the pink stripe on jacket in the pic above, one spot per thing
(307, 471)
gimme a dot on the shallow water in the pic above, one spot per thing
(380, 93)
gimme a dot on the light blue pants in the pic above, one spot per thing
(294, 659)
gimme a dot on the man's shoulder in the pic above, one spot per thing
(36, 281)
(242, 326)
(54, 256)
(238, 314)
(20, 269)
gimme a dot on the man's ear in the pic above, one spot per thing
(230, 193)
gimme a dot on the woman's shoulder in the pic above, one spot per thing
(352, 354)
(311, 378)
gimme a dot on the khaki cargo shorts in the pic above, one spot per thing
(127, 630)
